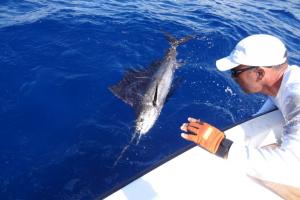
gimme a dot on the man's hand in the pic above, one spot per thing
(203, 134)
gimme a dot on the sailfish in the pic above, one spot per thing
(146, 90)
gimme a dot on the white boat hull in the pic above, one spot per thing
(196, 174)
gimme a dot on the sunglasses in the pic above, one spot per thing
(236, 72)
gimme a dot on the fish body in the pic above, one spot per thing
(147, 90)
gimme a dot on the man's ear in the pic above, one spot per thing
(260, 73)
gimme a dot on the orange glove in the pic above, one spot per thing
(203, 134)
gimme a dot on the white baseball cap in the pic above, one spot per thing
(255, 50)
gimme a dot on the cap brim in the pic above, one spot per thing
(226, 63)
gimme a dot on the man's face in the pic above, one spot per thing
(247, 78)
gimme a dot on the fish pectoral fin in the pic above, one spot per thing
(154, 100)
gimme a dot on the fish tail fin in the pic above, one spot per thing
(170, 38)
(174, 42)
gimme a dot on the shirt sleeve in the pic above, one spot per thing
(268, 106)
(281, 165)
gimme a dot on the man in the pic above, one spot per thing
(258, 63)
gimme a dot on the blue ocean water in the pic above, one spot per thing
(62, 129)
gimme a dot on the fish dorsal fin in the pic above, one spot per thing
(154, 101)
(155, 64)
(132, 87)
